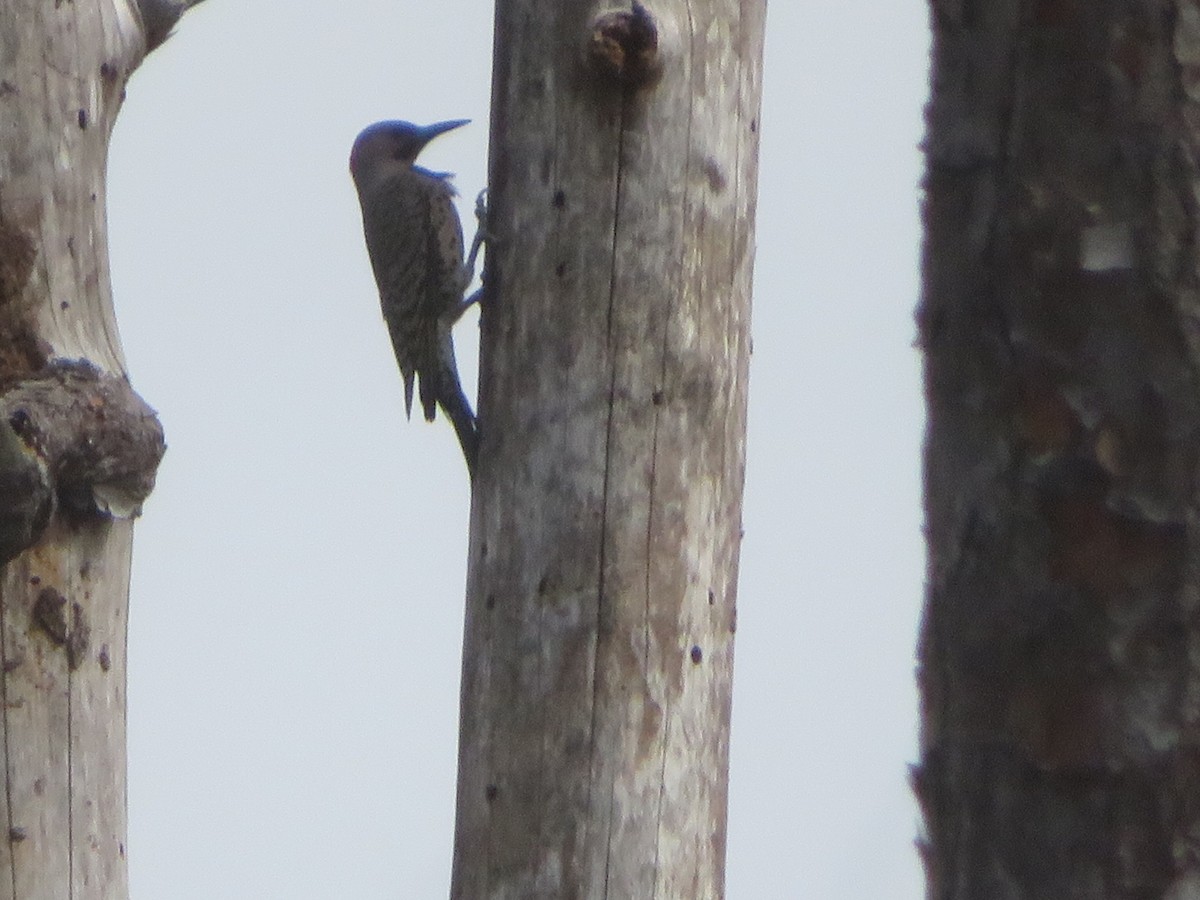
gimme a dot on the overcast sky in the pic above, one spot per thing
(295, 627)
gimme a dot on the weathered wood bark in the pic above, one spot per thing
(78, 449)
(606, 510)
(1060, 657)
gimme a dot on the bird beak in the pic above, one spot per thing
(432, 131)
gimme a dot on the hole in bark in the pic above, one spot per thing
(50, 612)
(715, 175)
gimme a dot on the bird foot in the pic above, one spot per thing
(481, 238)
(467, 303)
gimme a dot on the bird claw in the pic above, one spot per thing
(481, 237)
(464, 305)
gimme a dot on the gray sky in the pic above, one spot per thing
(296, 616)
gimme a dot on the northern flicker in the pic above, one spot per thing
(415, 242)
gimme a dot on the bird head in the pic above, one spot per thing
(394, 141)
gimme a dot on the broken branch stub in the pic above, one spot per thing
(622, 48)
(97, 441)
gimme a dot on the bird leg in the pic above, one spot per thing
(480, 233)
(457, 313)
(477, 243)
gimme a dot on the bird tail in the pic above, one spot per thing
(442, 387)
(409, 375)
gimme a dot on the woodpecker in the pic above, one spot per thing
(415, 242)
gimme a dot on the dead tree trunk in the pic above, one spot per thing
(1060, 657)
(606, 511)
(78, 449)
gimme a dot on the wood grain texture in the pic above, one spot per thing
(606, 514)
(63, 603)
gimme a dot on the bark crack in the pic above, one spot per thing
(608, 442)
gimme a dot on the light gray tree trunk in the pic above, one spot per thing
(78, 449)
(606, 513)
(1060, 656)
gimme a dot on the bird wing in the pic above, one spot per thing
(396, 223)
(443, 292)
(446, 244)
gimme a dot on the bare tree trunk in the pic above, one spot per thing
(78, 449)
(607, 507)
(1060, 657)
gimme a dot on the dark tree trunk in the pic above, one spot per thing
(1060, 654)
